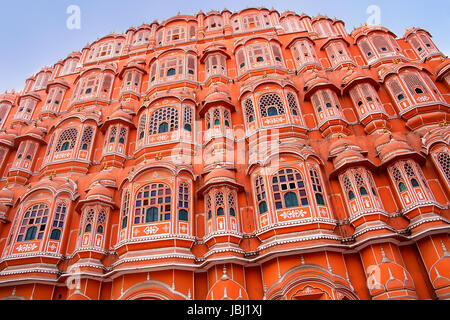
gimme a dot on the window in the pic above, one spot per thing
(89, 220)
(101, 218)
(209, 207)
(293, 106)
(26, 109)
(277, 53)
(67, 140)
(259, 53)
(163, 127)
(86, 138)
(271, 104)
(65, 146)
(69, 67)
(260, 189)
(58, 221)
(191, 64)
(170, 67)
(398, 178)
(163, 120)
(219, 204)
(142, 123)
(125, 208)
(142, 37)
(33, 223)
(240, 59)
(348, 188)
(249, 111)
(289, 186)
(175, 34)
(232, 204)
(171, 72)
(41, 81)
(251, 21)
(187, 118)
(317, 187)
(183, 215)
(443, 160)
(414, 83)
(183, 202)
(227, 118)
(153, 203)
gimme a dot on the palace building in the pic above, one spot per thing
(251, 155)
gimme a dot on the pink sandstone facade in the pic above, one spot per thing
(246, 155)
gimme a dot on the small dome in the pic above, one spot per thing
(217, 174)
(7, 138)
(35, 131)
(341, 143)
(392, 277)
(347, 156)
(120, 114)
(6, 195)
(394, 147)
(99, 191)
(105, 177)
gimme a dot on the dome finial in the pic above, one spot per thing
(225, 275)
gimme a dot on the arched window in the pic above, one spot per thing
(293, 106)
(187, 118)
(112, 134)
(348, 188)
(220, 204)
(317, 187)
(122, 135)
(220, 212)
(209, 207)
(216, 117)
(163, 127)
(411, 175)
(261, 194)
(86, 138)
(55, 235)
(125, 208)
(101, 219)
(226, 118)
(249, 110)
(183, 201)
(361, 185)
(398, 178)
(153, 203)
(286, 184)
(58, 221)
(414, 83)
(232, 204)
(443, 160)
(65, 146)
(271, 104)
(141, 131)
(171, 72)
(89, 220)
(290, 200)
(183, 215)
(31, 234)
(33, 223)
(67, 140)
(163, 120)
(272, 111)
(151, 215)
